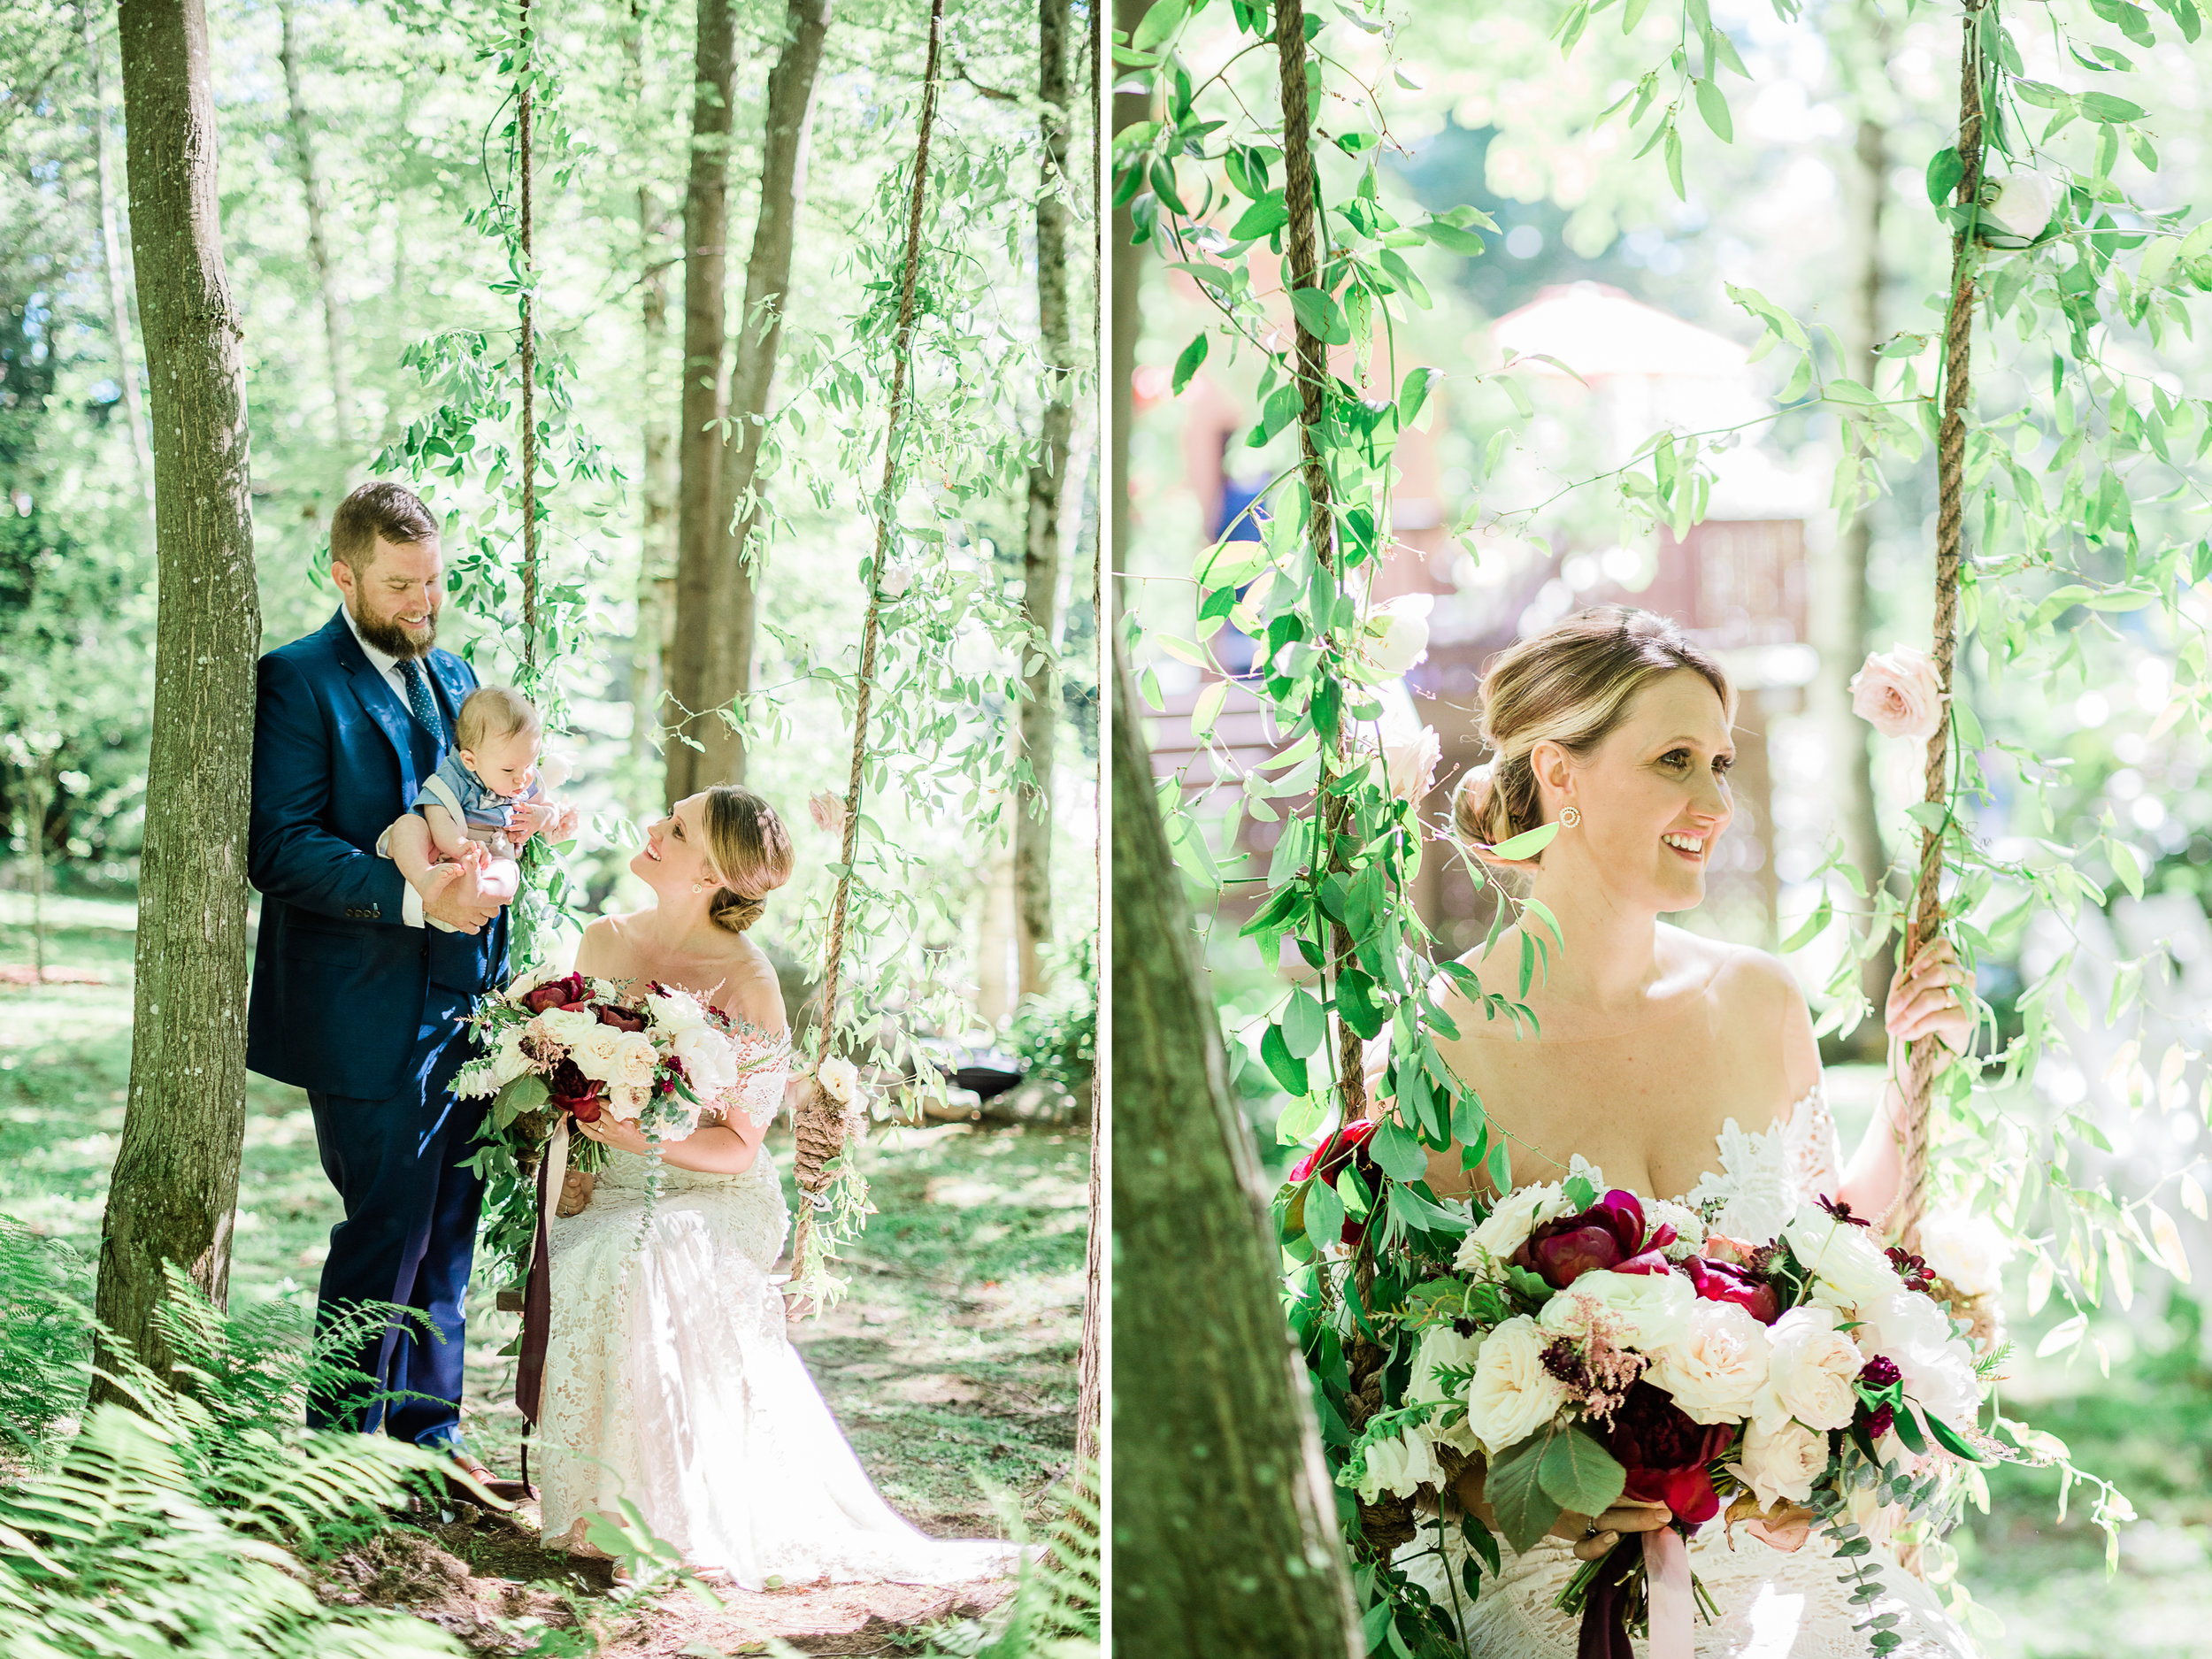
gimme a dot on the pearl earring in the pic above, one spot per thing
(698, 887)
(1569, 817)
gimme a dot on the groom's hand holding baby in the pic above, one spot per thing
(461, 902)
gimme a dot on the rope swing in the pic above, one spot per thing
(1915, 1133)
(525, 72)
(820, 1123)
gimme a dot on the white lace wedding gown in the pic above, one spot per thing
(669, 1380)
(1772, 1605)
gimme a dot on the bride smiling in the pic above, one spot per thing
(669, 1379)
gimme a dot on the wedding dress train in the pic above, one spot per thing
(1772, 1605)
(669, 1380)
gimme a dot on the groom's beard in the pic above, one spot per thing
(393, 641)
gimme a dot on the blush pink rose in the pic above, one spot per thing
(1896, 693)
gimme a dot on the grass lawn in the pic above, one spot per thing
(951, 1363)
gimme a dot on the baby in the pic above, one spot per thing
(480, 806)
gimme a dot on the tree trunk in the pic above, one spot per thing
(734, 585)
(656, 575)
(1090, 1363)
(1224, 1525)
(175, 1185)
(1041, 556)
(700, 514)
(335, 326)
(112, 250)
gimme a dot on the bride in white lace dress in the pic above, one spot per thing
(669, 1380)
(1676, 1065)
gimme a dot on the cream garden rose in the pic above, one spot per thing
(1640, 1310)
(1810, 1367)
(1897, 694)
(1851, 1268)
(569, 1026)
(1781, 1462)
(595, 1051)
(839, 1078)
(635, 1061)
(1512, 1395)
(674, 1014)
(1716, 1371)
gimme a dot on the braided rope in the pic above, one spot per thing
(1916, 1132)
(1313, 373)
(819, 1124)
(527, 61)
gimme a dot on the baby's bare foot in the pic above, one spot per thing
(437, 879)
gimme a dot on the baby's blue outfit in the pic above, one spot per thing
(482, 812)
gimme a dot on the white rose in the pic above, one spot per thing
(1966, 1250)
(523, 985)
(595, 1051)
(506, 1062)
(1441, 1349)
(1398, 634)
(1938, 1367)
(839, 1078)
(1897, 694)
(2023, 205)
(1645, 1311)
(1512, 1394)
(1689, 1227)
(1714, 1372)
(1519, 1213)
(1403, 1464)
(635, 1061)
(897, 579)
(569, 1026)
(1850, 1268)
(1810, 1367)
(1781, 1462)
(707, 1060)
(1410, 765)
(676, 1011)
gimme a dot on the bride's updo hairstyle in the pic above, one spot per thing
(751, 848)
(1572, 684)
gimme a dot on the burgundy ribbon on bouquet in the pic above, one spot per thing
(537, 1295)
(1604, 1633)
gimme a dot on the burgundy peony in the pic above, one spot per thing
(1727, 1281)
(1609, 1234)
(620, 1018)
(1665, 1454)
(571, 1091)
(561, 993)
(1334, 1153)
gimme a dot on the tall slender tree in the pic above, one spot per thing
(1090, 1365)
(732, 585)
(175, 1185)
(657, 487)
(1047, 480)
(111, 256)
(335, 323)
(700, 513)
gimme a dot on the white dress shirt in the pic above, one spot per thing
(387, 666)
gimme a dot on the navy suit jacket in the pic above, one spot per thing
(342, 986)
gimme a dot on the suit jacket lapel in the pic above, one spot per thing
(377, 700)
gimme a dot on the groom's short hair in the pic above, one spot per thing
(379, 512)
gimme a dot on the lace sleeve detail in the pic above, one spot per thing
(1816, 1159)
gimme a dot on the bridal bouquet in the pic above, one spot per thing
(576, 1045)
(1591, 1344)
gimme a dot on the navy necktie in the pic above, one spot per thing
(422, 705)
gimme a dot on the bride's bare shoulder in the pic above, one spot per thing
(1756, 995)
(751, 990)
(603, 951)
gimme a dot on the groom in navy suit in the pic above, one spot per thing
(353, 999)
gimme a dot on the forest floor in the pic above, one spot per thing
(950, 1363)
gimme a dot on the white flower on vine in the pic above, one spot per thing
(1396, 634)
(2023, 206)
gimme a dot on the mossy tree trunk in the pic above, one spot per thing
(700, 513)
(175, 1186)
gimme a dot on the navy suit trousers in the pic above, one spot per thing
(408, 1236)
